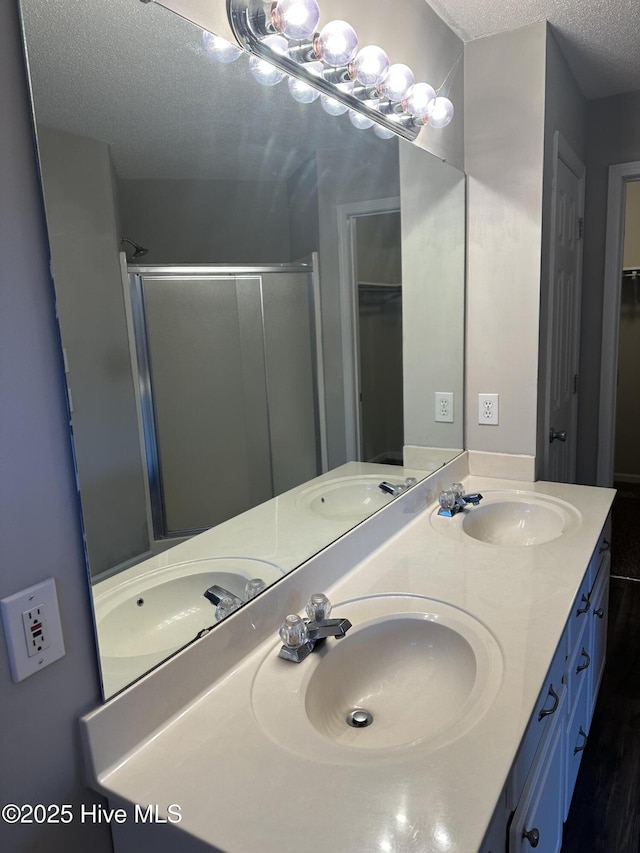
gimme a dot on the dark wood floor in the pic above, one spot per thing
(605, 810)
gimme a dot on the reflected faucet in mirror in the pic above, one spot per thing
(220, 384)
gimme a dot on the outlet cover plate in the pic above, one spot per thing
(14, 610)
(444, 407)
(489, 409)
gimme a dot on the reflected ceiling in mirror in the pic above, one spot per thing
(231, 270)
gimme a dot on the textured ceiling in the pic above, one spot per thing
(599, 38)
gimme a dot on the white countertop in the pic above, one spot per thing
(240, 792)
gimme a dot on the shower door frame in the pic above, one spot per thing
(132, 279)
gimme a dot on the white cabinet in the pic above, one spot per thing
(543, 776)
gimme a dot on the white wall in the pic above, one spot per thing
(40, 526)
(504, 150)
(614, 137)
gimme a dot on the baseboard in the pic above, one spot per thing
(626, 478)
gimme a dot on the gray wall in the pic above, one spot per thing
(206, 222)
(433, 295)
(504, 149)
(83, 233)
(614, 137)
(40, 528)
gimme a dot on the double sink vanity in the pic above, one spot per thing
(475, 653)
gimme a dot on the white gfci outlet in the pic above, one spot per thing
(489, 409)
(444, 407)
(31, 622)
(36, 629)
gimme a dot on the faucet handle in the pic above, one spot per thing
(447, 499)
(318, 607)
(293, 631)
(457, 489)
(225, 606)
(253, 587)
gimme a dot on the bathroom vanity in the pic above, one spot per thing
(477, 645)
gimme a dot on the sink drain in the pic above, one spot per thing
(359, 718)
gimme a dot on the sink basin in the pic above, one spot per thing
(159, 612)
(423, 670)
(512, 518)
(349, 498)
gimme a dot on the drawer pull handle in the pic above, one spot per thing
(581, 667)
(553, 708)
(532, 836)
(599, 613)
(581, 733)
(587, 605)
(606, 546)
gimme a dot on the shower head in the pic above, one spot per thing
(138, 250)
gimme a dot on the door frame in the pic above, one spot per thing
(620, 175)
(349, 314)
(562, 151)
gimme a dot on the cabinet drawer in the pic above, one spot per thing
(537, 821)
(546, 710)
(579, 666)
(577, 731)
(599, 618)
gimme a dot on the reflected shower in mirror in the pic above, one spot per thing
(249, 290)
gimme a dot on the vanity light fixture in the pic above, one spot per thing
(362, 81)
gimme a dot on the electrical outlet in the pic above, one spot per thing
(489, 409)
(36, 629)
(31, 622)
(444, 407)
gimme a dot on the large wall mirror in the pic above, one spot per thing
(258, 302)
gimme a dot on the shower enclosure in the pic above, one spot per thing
(230, 387)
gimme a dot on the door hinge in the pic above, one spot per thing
(580, 228)
(575, 383)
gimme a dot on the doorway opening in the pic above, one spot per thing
(372, 330)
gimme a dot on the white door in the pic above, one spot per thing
(564, 319)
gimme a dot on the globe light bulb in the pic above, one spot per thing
(220, 49)
(296, 19)
(331, 106)
(370, 65)
(397, 82)
(419, 99)
(360, 121)
(301, 91)
(264, 72)
(383, 132)
(336, 44)
(440, 113)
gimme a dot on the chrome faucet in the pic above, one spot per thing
(397, 488)
(226, 602)
(454, 500)
(301, 636)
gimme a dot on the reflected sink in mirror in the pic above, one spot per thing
(423, 670)
(143, 620)
(512, 519)
(349, 498)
